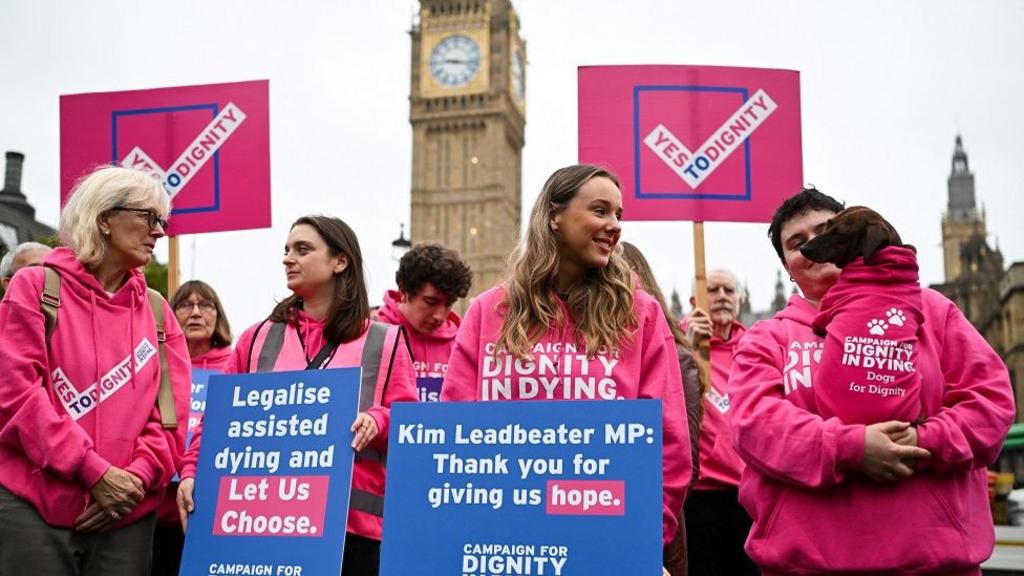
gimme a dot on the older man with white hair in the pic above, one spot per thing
(716, 524)
(26, 254)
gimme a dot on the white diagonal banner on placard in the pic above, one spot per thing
(695, 167)
(195, 156)
(137, 159)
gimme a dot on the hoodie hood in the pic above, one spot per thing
(890, 265)
(390, 314)
(430, 352)
(799, 310)
(76, 277)
(215, 359)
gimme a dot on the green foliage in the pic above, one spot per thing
(50, 241)
(156, 276)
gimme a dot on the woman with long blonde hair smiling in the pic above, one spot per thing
(571, 297)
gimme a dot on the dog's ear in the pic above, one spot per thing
(878, 235)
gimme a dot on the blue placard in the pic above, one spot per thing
(429, 389)
(197, 404)
(555, 488)
(275, 468)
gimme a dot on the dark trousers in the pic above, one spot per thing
(28, 545)
(168, 544)
(716, 528)
(673, 556)
(362, 556)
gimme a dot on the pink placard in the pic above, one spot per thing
(700, 143)
(209, 145)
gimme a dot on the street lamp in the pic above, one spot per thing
(400, 246)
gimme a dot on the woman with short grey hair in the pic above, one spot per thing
(94, 382)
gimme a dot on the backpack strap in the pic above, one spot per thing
(49, 304)
(49, 299)
(165, 395)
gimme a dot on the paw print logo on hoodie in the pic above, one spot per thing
(877, 327)
(896, 317)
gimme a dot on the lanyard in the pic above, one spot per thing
(322, 358)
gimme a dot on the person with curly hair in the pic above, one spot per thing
(431, 279)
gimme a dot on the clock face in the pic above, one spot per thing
(518, 76)
(455, 61)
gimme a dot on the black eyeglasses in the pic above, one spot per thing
(152, 218)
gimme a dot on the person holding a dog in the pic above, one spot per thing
(870, 319)
(893, 497)
(717, 526)
(569, 288)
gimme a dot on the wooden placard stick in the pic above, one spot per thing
(173, 259)
(701, 284)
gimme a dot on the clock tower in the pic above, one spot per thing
(467, 108)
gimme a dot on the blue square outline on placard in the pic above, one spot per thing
(114, 115)
(640, 194)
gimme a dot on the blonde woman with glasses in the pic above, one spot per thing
(86, 447)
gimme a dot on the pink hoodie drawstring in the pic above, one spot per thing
(95, 378)
(131, 337)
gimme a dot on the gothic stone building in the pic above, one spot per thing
(991, 297)
(17, 217)
(468, 113)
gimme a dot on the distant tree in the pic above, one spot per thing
(156, 276)
(677, 307)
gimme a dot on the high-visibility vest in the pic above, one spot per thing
(373, 347)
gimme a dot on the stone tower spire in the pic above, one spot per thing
(962, 219)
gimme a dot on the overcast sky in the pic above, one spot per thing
(885, 88)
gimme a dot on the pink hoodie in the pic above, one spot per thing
(647, 367)
(720, 466)
(814, 511)
(367, 475)
(56, 441)
(872, 315)
(215, 359)
(430, 352)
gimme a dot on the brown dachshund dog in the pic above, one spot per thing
(855, 232)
